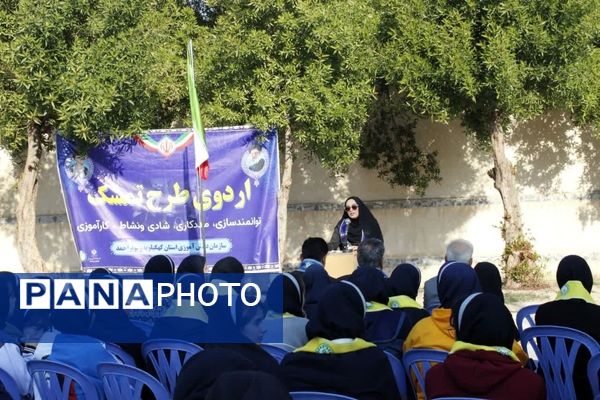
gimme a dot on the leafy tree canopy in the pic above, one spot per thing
(85, 67)
(305, 65)
(489, 61)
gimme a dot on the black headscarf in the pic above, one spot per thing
(340, 313)
(371, 283)
(192, 264)
(201, 371)
(489, 279)
(228, 265)
(574, 268)
(483, 319)
(160, 264)
(292, 286)
(365, 222)
(248, 385)
(456, 280)
(405, 280)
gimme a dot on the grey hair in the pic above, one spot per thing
(460, 250)
(370, 253)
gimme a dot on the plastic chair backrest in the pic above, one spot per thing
(10, 386)
(399, 374)
(167, 357)
(120, 354)
(53, 380)
(277, 351)
(526, 315)
(593, 369)
(418, 361)
(556, 348)
(318, 396)
(124, 382)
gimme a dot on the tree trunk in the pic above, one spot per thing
(27, 248)
(504, 182)
(287, 162)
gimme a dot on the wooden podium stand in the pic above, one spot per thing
(340, 264)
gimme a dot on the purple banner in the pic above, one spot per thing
(130, 199)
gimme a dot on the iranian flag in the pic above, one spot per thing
(200, 149)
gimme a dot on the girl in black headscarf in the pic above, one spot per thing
(481, 363)
(201, 371)
(574, 308)
(248, 385)
(357, 224)
(336, 359)
(192, 264)
(382, 325)
(289, 315)
(489, 279)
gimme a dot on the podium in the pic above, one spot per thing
(340, 264)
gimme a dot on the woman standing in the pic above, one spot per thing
(357, 224)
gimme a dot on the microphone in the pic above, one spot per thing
(344, 233)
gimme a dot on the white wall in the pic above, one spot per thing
(559, 185)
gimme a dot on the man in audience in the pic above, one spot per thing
(314, 252)
(370, 253)
(574, 308)
(459, 250)
(316, 279)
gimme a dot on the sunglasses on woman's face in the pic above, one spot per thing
(352, 207)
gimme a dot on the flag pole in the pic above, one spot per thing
(201, 201)
(200, 149)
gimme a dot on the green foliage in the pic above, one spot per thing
(388, 144)
(306, 64)
(489, 61)
(528, 270)
(85, 67)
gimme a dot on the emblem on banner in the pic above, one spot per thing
(255, 162)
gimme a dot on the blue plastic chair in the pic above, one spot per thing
(556, 348)
(419, 361)
(120, 354)
(399, 375)
(277, 351)
(319, 396)
(53, 380)
(526, 315)
(124, 382)
(167, 357)
(593, 370)
(10, 386)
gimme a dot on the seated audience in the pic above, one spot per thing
(574, 308)
(73, 346)
(293, 320)
(403, 286)
(248, 385)
(382, 325)
(192, 264)
(481, 363)
(161, 269)
(314, 253)
(370, 254)
(201, 371)
(337, 359)
(458, 250)
(184, 321)
(489, 279)
(455, 281)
